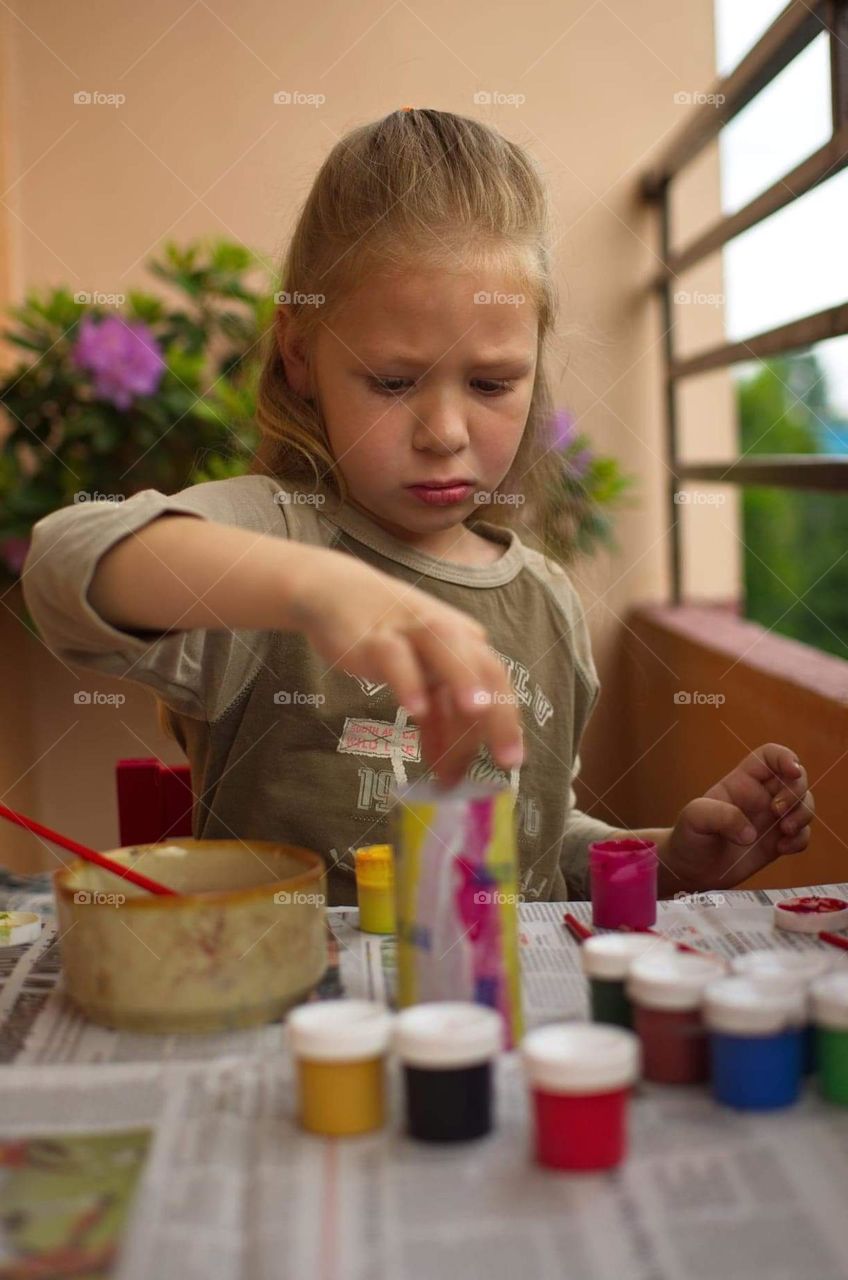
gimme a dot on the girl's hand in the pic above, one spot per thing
(433, 656)
(757, 812)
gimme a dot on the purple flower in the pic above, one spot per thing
(123, 357)
(563, 425)
(580, 463)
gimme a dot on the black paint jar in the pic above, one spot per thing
(447, 1051)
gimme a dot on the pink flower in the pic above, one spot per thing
(563, 426)
(123, 357)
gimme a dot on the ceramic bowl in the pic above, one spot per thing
(245, 939)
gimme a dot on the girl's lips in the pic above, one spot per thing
(442, 496)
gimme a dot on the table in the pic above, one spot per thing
(228, 1187)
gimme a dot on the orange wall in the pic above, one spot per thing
(199, 147)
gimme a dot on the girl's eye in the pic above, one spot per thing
(495, 386)
(397, 386)
(388, 386)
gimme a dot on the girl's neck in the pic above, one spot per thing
(456, 545)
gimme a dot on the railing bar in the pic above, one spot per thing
(670, 399)
(837, 22)
(804, 332)
(798, 24)
(827, 472)
(817, 168)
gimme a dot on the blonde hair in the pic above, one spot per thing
(418, 188)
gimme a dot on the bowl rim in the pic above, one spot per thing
(64, 889)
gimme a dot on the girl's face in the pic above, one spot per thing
(422, 379)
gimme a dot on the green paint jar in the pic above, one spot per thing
(830, 1016)
(606, 959)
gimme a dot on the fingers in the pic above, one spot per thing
(400, 668)
(796, 824)
(773, 763)
(482, 703)
(796, 843)
(717, 817)
(777, 769)
(448, 745)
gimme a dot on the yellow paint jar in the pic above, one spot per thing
(375, 888)
(340, 1052)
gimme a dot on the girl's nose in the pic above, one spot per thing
(442, 429)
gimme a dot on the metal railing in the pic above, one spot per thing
(798, 24)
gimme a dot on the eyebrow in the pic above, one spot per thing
(515, 358)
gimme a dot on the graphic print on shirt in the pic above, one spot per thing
(398, 742)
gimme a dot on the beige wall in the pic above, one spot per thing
(200, 147)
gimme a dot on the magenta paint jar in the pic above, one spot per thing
(623, 876)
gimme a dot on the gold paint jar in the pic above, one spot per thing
(340, 1049)
(375, 888)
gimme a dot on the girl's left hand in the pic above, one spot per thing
(757, 812)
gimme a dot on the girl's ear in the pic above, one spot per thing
(293, 352)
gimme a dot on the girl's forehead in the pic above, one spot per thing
(396, 313)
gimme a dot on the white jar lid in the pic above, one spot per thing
(610, 955)
(448, 1034)
(766, 965)
(339, 1030)
(575, 1057)
(17, 927)
(745, 1007)
(830, 1001)
(674, 980)
(811, 914)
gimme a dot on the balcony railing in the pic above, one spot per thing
(799, 23)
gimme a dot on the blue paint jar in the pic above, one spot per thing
(770, 968)
(756, 1042)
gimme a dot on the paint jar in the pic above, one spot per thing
(623, 875)
(774, 967)
(375, 888)
(340, 1048)
(756, 1041)
(580, 1078)
(447, 1049)
(606, 960)
(811, 914)
(666, 992)
(830, 1014)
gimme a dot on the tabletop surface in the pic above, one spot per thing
(217, 1181)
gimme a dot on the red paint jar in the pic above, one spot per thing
(666, 991)
(580, 1077)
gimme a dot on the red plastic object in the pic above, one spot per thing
(623, 879)
(155, 800)
(581, 1131)
(674, 1045)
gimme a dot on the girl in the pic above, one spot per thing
(383, 597)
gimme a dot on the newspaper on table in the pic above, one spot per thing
(233, 1190)
(38, 1025)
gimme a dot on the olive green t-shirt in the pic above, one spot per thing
(283, 747)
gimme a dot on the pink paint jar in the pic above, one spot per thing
(623, 875)
(580, 1077)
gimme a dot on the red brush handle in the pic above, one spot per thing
(576, 927)
(82, 851)
(835, 940)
